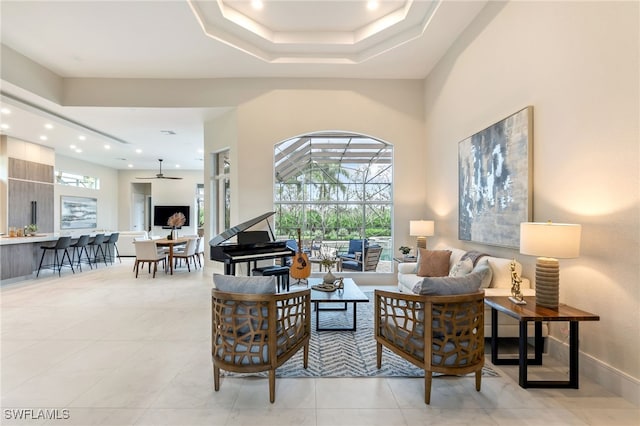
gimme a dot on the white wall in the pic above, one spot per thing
(107, 195)
(577, 64)
(387, 110)
(165, 192)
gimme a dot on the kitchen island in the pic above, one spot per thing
(20, 256)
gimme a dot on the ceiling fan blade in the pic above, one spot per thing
(159, 175)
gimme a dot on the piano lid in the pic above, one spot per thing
(233, 231)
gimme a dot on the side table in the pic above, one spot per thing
(532, 312)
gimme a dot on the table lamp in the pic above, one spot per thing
(552, 240)
(421, 229)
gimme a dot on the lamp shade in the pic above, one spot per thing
(421, 228)
(557, 240)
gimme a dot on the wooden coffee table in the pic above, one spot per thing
(537, 314)
(350, 294)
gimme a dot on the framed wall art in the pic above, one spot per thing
(78, 212)
(495, 181)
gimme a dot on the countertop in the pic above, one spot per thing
(6, 240)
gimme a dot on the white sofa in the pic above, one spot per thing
(500, 285)
(125, 242)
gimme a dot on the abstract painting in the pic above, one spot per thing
(78, 212)
(494, 181)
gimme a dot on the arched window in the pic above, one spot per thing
(336, 187)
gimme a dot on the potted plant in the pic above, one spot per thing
(404, 250)
(31, 229)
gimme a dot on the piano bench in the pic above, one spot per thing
(282, 272)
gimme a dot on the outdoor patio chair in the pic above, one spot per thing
(367, 263)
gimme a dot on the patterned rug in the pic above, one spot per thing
(348, 353)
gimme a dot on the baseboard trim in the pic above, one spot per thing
(609, 377)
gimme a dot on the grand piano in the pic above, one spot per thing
(250, 246)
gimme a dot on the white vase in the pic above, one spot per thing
(328, 278)
(174, 234)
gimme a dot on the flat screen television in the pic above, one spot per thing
(162, 213)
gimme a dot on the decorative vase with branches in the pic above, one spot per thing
(328, 259)
(176, 220)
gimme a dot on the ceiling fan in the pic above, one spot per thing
(160, 175)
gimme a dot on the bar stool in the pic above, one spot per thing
(281, 272)
(63, 244)
(96, 247)
(112, 247)
(79, 247)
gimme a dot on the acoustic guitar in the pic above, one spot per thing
(301, 267)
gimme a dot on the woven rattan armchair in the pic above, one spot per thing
(259, 332)
(441, 334)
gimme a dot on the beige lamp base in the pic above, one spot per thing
(547, 282)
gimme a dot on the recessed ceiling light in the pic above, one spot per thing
(138, 151)
(72, 146)
(43, 138)
(82, 137)
(48, 126)
(107, 147)
(4, 126)
(78, 150)
(177, 166)
(5, 111)
(257, 4)
(372, 5)
(130, 166)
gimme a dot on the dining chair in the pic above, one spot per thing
(147, 252)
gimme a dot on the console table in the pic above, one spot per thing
(537, 314)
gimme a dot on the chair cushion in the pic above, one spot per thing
(442, 286)
(245, 285)
(356, 245)
(433, 263)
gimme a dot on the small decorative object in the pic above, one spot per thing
(176, 220)
(404, 250)
(328, 278)
(516, 295)
(331, 286)
(31, 229)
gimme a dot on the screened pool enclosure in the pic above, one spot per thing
(336, 187)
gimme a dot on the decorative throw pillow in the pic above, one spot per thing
(461, 268)
(443, 286)
(246, 285)
(482, 265)
(434, 263)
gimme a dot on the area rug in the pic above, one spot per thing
(348, 353)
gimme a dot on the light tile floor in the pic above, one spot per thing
(116, 350)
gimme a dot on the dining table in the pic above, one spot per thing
(165, 242)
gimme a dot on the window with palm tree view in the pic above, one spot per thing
(337, 188)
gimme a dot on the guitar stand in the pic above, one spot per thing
(303, 282)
